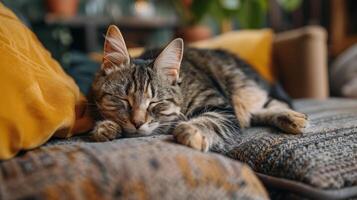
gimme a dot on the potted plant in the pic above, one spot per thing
(63, 8)
(191, 13)
(250, 14)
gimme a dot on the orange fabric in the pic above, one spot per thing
(38, 100)
(254, 46)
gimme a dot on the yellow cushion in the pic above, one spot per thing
(254, 46)
(38, 100)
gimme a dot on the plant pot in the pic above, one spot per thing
(63, 8)
(194, 33)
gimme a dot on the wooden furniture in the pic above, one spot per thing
(137, 31)
(343, 32)
(339, 17)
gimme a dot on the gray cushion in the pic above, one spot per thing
(320, 164)
(325, 157)
(138, 168)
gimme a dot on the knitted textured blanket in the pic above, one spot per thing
(320, 164)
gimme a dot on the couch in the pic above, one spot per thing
(319, 164)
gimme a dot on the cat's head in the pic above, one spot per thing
(142, 96)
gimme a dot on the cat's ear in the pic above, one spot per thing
(115, 52)
(168, 63)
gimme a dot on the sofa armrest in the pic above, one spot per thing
(300, 58)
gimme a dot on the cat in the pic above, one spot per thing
(202, 97)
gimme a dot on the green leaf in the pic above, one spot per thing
(216, 11)
(290, 5)
(199, 9)
(252, 13)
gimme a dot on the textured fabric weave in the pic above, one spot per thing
(324, 157)
(139, 168)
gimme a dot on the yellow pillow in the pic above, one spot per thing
(254, 46)
(38, 100)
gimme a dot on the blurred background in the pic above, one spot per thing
(74, 29)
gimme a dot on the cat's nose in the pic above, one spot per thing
(138, 117)
(138, 123)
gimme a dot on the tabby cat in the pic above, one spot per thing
(202, 97)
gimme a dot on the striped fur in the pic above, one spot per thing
(204, 107)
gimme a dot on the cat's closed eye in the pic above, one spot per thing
(153, 104)
(160, 107)
(124, 101)
(112, 102)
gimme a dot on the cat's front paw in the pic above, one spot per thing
(189, 135)
(105, 130)
(291, 121)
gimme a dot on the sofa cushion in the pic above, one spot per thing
(319, 164)
(324, 158)
(254, 46)
(137, 168)
(38, 99)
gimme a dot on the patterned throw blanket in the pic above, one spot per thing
(325, 157)
(139, 168)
